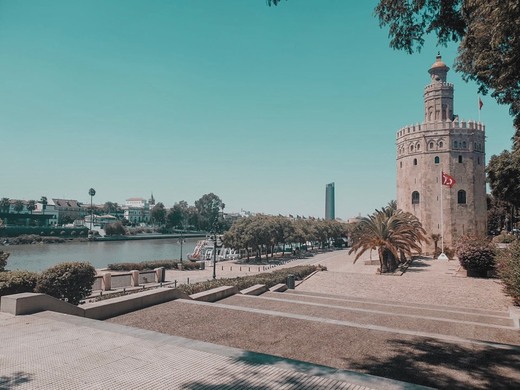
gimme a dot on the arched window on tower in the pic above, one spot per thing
(455, 145)
(431, 146)
(411, 148)
(460, 159)
(437, 160)
(461, 197)
(415, 197)
(463, 144)
(441, 145)
(414, 161)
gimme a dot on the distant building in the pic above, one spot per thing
(330, 208)
(137, 210)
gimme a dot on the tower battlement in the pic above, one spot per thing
(442, 125)
(437, 85)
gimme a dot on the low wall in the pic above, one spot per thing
(29, 303)
(257, 289)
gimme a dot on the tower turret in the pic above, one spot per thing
(438, 95)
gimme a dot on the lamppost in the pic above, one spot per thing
(181, 241)
(91, 192)
(215, 246)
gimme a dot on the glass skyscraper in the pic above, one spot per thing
(330, 209)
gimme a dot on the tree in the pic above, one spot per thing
(487, 32)
(43, 201)
(115, 228)
(18, 206)
(392, 232)
(4, 205)
(209, 207)
(110, 207)
(31, 206)
(178, 215)
(158, 214)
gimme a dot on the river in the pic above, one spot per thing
(38, 257)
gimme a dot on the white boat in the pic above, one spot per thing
(204, 251)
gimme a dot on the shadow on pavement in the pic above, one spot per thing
(14, 379)
(445, 365)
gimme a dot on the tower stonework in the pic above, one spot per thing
(443, 143)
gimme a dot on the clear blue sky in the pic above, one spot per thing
(261, 105)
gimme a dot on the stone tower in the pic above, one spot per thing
(443, 143)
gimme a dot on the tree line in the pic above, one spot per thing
(265, 234)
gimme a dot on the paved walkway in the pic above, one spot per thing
(55, 351)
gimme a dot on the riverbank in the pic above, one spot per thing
(30, 239)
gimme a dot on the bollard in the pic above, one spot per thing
(175, 283)
(124, 290)
(107, 281)
(222, 268)
(240, 269)
(188, 281)
(290, 282)
(134, 278)
(249, 269)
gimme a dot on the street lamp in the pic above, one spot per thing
(91, 192)
(215, 246)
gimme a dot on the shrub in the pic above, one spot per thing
(508, 266)
(476, 254)
(68, 281)
(115, 229)
(14, 282)
(3, 260)
(144, 265)
(504, 238)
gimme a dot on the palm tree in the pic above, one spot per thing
(44, 202)
(18, 206)
(393, 233)
(31, 206)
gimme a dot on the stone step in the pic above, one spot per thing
(384, 321)
(459, 309)
(396, 308)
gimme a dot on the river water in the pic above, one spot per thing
(37, 257)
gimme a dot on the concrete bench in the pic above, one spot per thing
(215, 294)
(257, 289)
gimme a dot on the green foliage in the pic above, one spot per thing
(115, 228)
(209, 207)
(508, 266)
(504, 238)
(270, 279)
(14, 282)
(68, 281)
(503, 172)
(149, 265)
(3, 260)
(476, 253)
(158, 214)
(393, 232)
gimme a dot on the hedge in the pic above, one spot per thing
(270, 279)
(508, 267)
(148, 265)
(14, 282)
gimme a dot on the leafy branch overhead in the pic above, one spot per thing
(488, 33)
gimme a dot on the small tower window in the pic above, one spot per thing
(463, 144)
(460, 159)
(411, 148)
(478, 160)
(431, 145)
(441, 144)
(455, 145)
(461, 197)
(414, 161)
(437, 160)
(400, 164)
(415, 197)
(418, 147)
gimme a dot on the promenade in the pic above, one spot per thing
(345, 328)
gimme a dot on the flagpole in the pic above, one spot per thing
(442, 222)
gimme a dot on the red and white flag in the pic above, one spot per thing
(447, 180)
(480, 103)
